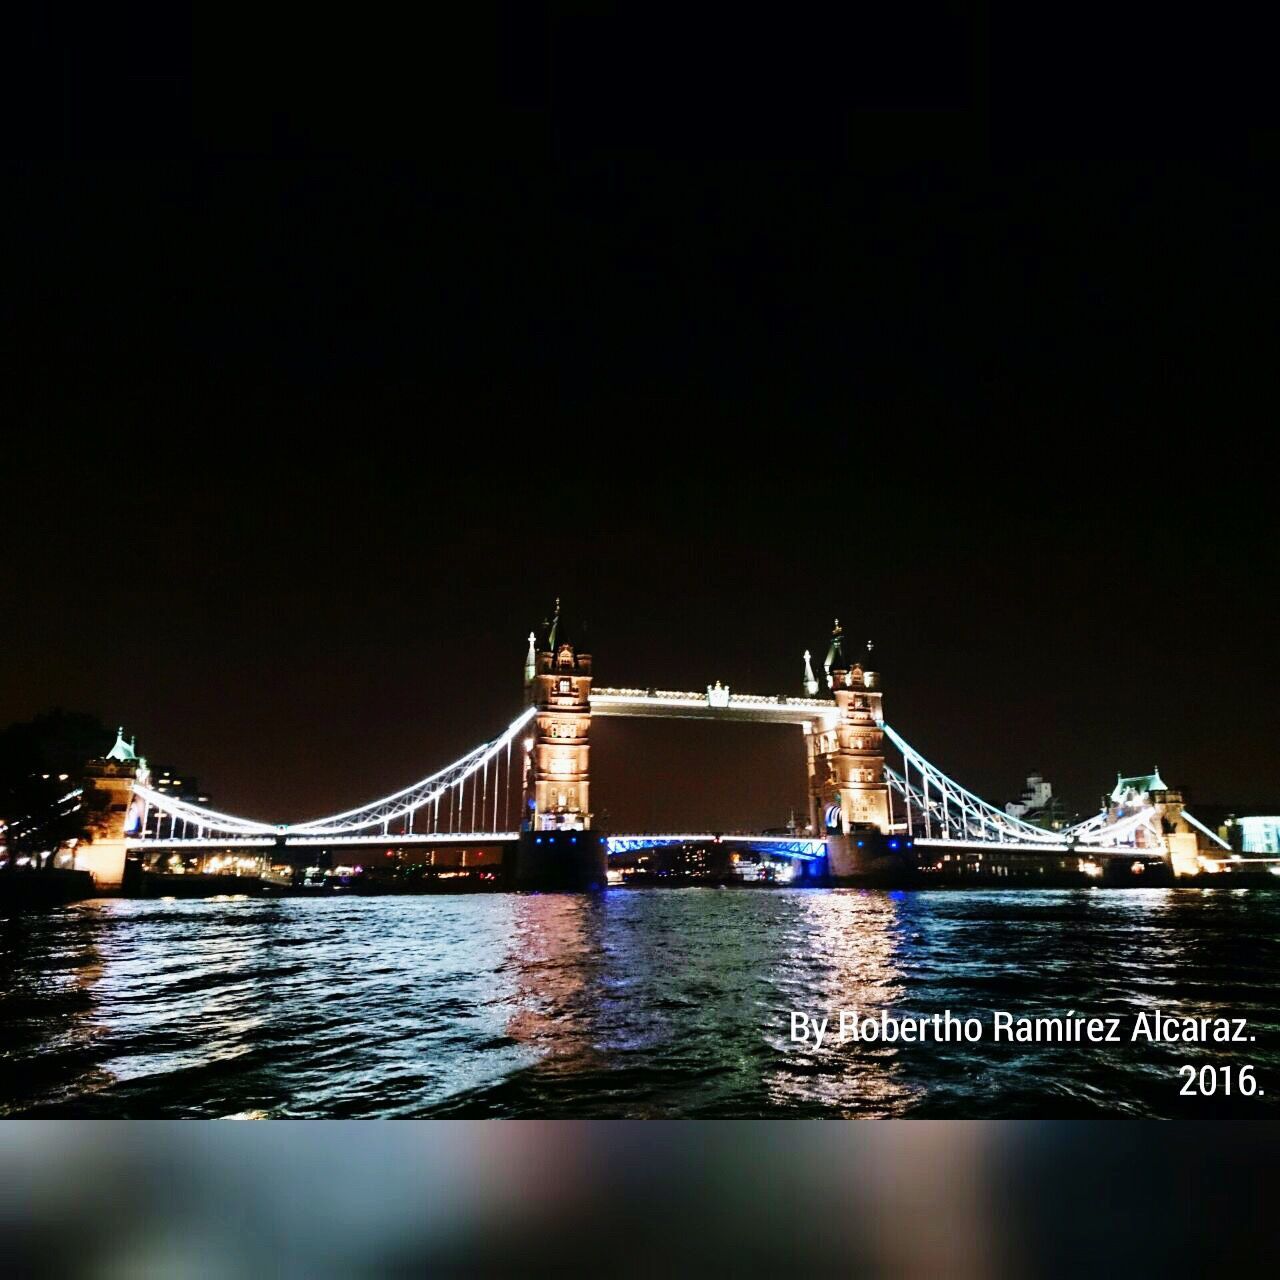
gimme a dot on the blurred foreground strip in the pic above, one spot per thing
(894, 1198)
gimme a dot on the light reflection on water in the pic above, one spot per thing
(634, 1002)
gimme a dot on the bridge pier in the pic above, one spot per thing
(867, 855)
(557, 861)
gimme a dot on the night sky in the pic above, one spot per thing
(343, 347)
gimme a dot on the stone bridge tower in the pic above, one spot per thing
(116, 815)
(557, 848)
(850, 793)
(558, 684)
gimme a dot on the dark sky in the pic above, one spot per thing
(344, 346)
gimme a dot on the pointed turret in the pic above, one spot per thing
(870, 677)
(835, 659)
(122, 751)
(555, 627)
(554, 646)
(810, 680)
(531, 661)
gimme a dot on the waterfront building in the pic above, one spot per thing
(181, 785)
(1259, 834)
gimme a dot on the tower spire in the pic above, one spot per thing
(835, 661)
(531, 660)
(810, 680)
(555, 625)
(122, 751)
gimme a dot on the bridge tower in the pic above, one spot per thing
(108, 788)
(1181, 845)
(850, 794)
(557, 848)
(557, 784)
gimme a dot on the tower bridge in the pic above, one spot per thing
(527, 792)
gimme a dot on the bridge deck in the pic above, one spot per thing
(796, 846)
(715, 704)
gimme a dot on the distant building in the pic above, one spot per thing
(174, 782)
(1258, 834)
(1039, 806)
(178, 784)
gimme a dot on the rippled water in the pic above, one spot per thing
(629, 1003)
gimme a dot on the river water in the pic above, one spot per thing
(635, 1002)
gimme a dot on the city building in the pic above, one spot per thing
(178, 784)
(1038, 805)
(1257, 834)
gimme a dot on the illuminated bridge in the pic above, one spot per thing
(873, 799)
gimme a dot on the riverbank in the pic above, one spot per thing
(45, 887)
(50, 889)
